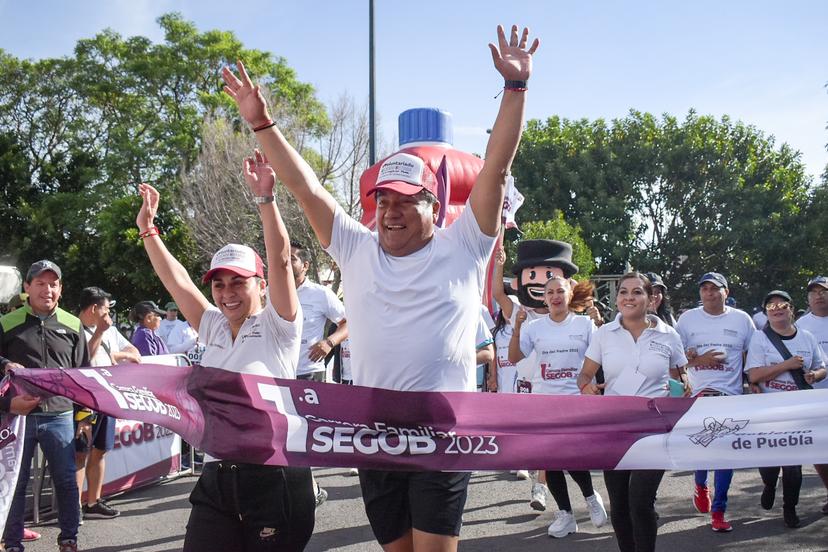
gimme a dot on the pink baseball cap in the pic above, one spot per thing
(238, 259)
(406, 174)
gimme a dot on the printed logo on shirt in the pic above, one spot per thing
(730, 333)
(550, 373)
(253, 332)
(660, 348)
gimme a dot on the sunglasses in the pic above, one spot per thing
(770, 307)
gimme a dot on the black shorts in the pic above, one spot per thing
(428, 501)
(103, 435)
(250, 507)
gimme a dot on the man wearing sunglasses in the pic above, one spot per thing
(816, 322)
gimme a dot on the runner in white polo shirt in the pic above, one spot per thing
(639, 353)
(716, 338)
(816, 322)
(560, 340)
(412, 290)
(767, 366)
(252, 329)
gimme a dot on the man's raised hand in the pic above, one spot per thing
(512, 59)
(249, 98)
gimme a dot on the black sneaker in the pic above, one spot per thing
(768, 497)
(321, 496)
(790, 517)
(100, 510)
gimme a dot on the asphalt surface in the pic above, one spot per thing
(497, 517)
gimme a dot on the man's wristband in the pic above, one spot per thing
(581, 389)
(329, 342)
(151, 231)
(264, 199)
(516, 85)
(269, 123)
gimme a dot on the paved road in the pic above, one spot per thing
(497, 517)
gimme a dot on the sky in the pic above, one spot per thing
(764, 63)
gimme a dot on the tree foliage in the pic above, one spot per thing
(677, 197)
(78, 133)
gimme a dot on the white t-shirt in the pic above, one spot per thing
(759, 320)
(112, 339)
(818, 326)
(181, 338)
(762, 353)
(730, 333)
(528, 367)
(642, 367)
(266, 345)
(506, 371)
(319, 304)
(345, 360)
(560, 348)
(167, 327)
(413, 319)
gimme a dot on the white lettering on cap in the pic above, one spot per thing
(404, 167)
(234, 256)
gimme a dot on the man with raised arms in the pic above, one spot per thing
(416, 285)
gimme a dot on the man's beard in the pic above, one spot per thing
(526, 299)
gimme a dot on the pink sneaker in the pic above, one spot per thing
(29, 535)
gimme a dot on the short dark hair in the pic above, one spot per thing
(645, 282)
(303, 254)
(93, 296)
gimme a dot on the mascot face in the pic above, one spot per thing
(530, 284)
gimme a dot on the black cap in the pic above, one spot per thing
(545, 253)
(715, 278)
(94, 296)
(655, 280)
(40, 267)
(776, 293)
(818, 281)
(141, 309)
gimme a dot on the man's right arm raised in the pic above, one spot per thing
(294, 172)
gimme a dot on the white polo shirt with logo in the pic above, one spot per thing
(560, 349)
(266, 345)
(762, 353)
(413, 319)
(730, 333)
(818, 326)
(640, 368)
(319, 304)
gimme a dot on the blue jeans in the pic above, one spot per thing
(721, 484)
(56, 434)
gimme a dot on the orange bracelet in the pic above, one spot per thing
(151, 231)
(584, 386)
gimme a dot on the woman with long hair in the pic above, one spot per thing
(639, 353)
(560, 341)
(253, 327)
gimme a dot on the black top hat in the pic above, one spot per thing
(545, 253)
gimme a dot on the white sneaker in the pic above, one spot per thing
(523, 474)
(538, 501)
(597, 512)
(353, 471)
(563, 525)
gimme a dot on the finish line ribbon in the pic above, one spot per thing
(256, 419)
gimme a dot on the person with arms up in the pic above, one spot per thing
(783, 358)
(42, 335)
(638, 353)
(415, 284)
(253, 327)
(715, 338)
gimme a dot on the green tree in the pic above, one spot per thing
(557, 228)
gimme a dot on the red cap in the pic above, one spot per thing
(406, 174)
(238, 259)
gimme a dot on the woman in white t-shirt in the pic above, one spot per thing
(251, 329)
(766, 366)
(638, 353)
(559, 340)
